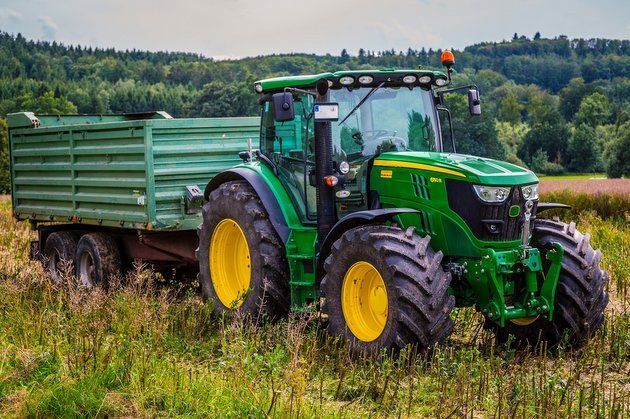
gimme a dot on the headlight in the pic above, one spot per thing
(344, 167)
(346, 80)
(530, 191)
(409, 79)
(492, 193)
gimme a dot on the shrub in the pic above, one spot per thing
(541, 165)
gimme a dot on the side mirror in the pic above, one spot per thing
(474, 103)
(283, 106)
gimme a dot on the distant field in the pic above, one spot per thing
(590, 186)
(574, 176)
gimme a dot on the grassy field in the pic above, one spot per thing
(147, 348)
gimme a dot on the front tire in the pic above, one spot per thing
(385, 288)
(242, 263)
(580, 296)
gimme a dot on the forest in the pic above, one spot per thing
(554, 105)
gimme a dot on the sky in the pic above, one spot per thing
(242, 28)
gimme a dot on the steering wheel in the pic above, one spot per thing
(384, 144)
(373, 134)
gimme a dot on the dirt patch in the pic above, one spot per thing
(590, 186)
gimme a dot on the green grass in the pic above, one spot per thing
(147, 349)
(573, 176)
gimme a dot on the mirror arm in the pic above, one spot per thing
(441, 93)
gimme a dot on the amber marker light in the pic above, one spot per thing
(448, 59)
(331, 181)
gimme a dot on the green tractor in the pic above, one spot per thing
(354, 204)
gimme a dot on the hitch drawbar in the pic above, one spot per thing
(507, 283)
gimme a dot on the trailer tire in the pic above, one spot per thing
(96, 260)
(59, 251)
(580, 296)
(242, 264)
(385, 288)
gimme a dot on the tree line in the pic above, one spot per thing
(553, 105)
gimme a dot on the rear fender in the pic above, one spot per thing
(264, 192)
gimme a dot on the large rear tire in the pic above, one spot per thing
(242, 263)
(385, 288)
(59, 253)
(580, 296)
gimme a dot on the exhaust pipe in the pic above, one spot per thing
(326, 216)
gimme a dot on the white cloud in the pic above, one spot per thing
(49, 28)
(238, 28)
(9, 15)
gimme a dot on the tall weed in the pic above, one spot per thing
(145, 349)
(604, 205)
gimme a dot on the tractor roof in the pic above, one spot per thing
(389, 76)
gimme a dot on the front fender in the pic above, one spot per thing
(355, 219)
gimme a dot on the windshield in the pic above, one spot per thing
(372, 120)
(381, 119)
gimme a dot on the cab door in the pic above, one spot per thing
(290, 146)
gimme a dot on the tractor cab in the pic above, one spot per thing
(369, 113)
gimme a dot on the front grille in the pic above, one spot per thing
(482, 217)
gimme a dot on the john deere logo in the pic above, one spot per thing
(515, 210)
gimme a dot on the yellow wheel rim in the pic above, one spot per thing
(524, 321)
(230, 263)
(364, 301)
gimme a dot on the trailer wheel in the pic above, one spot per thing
(59, 253)
(580, 295)
(96, 260)
(242, 263)
(385, 289)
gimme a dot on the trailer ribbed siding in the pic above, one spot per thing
(190, 152)
(122, 173)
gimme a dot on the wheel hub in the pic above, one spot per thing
(230, 263)
(364, 301)
(86, 270)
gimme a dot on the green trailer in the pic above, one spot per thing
(134, 179)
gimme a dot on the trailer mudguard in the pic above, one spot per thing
(353, 220)
(263, 191)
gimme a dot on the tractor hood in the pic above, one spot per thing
(478, 170)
